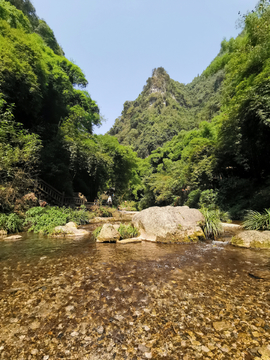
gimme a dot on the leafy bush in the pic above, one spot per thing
(224, 216)
(208, 199)
(11, 223)
(212, 227)
(193, 198)
(128, 231)
(254, 220)
(100, 211)
(105, 212)
(128, 205)
(44, 220)
(80, 217)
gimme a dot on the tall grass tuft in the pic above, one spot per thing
(128, 231)
(97, 231)
(254, 220)
(211, 227)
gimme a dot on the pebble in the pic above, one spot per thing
(74, 333)
(148, 355)
(143, 348)
(100, 330)
(146, 328)
(205, 349)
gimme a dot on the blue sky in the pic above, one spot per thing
(117, 43)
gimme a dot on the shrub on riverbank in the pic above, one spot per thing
(11, 223)
(100, 211)
(254, 220)
(44, 220)
(128, 205)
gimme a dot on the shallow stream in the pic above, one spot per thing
(75, 299)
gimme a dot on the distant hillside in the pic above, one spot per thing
(164, 108)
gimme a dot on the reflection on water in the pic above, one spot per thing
(76, 299)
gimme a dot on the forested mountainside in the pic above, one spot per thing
(225, 160)
(164, 108)
(47, 117)
(204, 143)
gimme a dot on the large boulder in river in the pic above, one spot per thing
(108, 233)
(252, 239)
(169, 224)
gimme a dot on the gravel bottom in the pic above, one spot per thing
(136, 301)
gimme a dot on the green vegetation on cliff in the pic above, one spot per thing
(47, 117)
(205, 140)
(164, 108)
(228, 148)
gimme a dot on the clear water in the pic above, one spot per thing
(145, 285)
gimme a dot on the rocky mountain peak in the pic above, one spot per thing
(158, 82)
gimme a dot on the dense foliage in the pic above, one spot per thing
(47, 117)
(44, 220)
(11, 223)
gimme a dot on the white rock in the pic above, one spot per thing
(169, 224)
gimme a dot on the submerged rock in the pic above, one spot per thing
(169, 224)
(13, 237)
(130, 241)
(252, 239)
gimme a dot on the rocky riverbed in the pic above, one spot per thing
(82, 300)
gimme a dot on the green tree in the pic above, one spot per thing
(19, 157)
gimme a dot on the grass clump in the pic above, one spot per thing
(44, 220)
(11, 223)
(254, 220)
(97, 231)
(128, 231)
(211, 227)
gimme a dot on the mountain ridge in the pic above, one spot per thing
(164, 108)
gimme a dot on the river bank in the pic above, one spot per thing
(82, 300)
